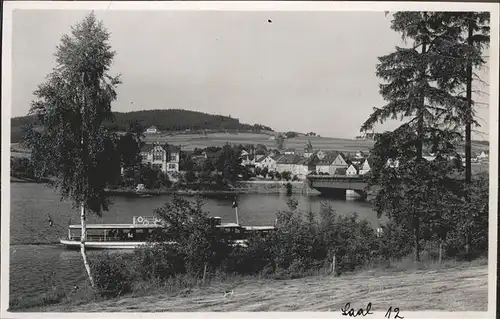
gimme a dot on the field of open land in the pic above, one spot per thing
(192, 141)
(189, 142)
(458, 287)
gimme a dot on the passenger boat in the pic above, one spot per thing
(114, 236)
(131, 236)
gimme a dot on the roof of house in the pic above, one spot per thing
(302, 161)
(167, 147)
(172, 148)
(289, 159)
(368, 159)
(340, 171)
(147, 148)
(260, 159)
(355, 166)
(248, 157)
(329, 157)
(215, 154)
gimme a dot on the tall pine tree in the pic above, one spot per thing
(430, 116)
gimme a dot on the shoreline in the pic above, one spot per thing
(243, 187)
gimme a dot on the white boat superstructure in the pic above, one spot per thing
(114, 236)
(131, 236)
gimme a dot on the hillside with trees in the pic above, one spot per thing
(164, 120)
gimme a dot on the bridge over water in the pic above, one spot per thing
(336, 186)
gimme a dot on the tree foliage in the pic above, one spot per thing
(164, 120)
(72, 106)
(197, 239)
(421, 84)
(229, 163)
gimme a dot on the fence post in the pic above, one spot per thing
(440, 252)
(204, 273)
(333, 265)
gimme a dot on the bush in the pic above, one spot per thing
(289, 189)
(395, 242)
(286, 175)
(352, 241)
(277, 175)
(157, 262)
(111, 275)
(198, 242)
(190, 176)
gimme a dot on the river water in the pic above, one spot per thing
(38, 264)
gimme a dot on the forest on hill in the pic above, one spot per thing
(164, 120)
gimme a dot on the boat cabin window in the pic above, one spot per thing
(233, 233)
(113, 234)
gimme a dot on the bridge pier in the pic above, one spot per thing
(333, 192)
(362, 194)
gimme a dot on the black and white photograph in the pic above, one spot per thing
(333, 159)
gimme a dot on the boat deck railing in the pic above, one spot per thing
(145, 220)
(100, 238)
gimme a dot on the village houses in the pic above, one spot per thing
(326, 162)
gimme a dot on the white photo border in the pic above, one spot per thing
(10, 6)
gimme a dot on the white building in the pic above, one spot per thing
(267, 161)
(366, 166)
(151, 130)
(352, 170)
(483, 155)
(165, 157)
(327, 162)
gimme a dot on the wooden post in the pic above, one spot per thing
(204, 272)
(333, 265)
(236, 211)
(440, 252)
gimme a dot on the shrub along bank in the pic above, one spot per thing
(302, 245)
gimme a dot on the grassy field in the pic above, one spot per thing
(449, 287)
(192, 141)
(189, 142)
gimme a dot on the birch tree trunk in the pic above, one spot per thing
(83, 238)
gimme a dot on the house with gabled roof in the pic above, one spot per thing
(293, 163)
(287, 162)
(247, 160)
(483, 155)
(366, 166)
(352, 170)
(326, 161)
(164, 157)
(268, 162)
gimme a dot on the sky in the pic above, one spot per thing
(304, 71)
